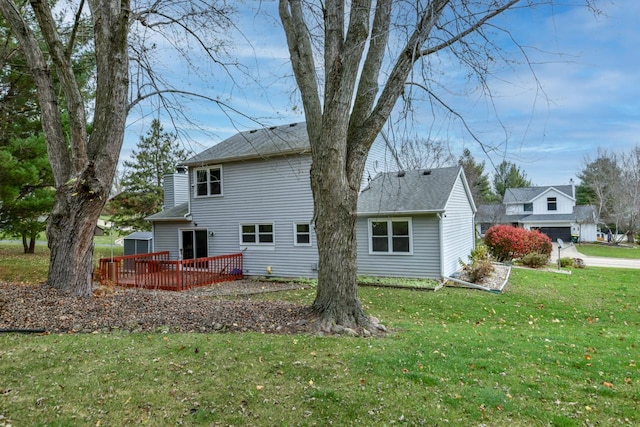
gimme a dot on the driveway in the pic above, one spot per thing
(571, 251)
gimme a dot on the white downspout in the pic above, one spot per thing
(441, 239)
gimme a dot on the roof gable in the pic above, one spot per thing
(529, 194)
(257, 143)
(410, 191)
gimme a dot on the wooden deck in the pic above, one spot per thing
(157, 271)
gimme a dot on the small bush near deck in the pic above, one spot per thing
(535, 260)
(480, 265)
(507, 243)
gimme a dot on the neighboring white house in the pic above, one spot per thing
(252, 193)
(550, 209)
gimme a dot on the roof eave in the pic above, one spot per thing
(254, 156)
(415, 212)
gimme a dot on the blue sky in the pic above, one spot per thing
(583, 92)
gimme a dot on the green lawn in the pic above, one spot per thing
(553, 350)
(609, 251)
(17, 267)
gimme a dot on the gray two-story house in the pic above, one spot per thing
(251, 193)
(550, 209)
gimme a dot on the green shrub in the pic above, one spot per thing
(566, 262)
(535, 260)
(480, 265)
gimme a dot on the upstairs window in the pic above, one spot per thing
(209, 181)
(552, 204)
(391, 236)
(528, 207)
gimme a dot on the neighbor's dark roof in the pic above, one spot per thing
(547, 218)
(527, 194)
(140, 235)
(414, 191)
(176, 213)
(258, 143)
(493, 213)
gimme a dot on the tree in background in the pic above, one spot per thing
(600, 180)
(629, 212)
(26, 181)
(26, 189)
(508, 175)
(157, 154)
(611, 183)
(477, 179)
(423, 153)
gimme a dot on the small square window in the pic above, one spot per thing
(248, 234)
(302, 234)
(528, 207)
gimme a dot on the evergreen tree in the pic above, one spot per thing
(478, 181)
(508, 175)
(26, 180)
(26, 189)
(157, 154)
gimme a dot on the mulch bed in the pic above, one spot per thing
(39, 308)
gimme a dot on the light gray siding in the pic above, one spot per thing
(277, 192)
(166, 237)
(381, 158)
(424, 262)
(176, 189)
(457, 229)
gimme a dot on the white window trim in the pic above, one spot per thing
(195, 182)
(389, 222)
(295, 234)
(257, 243)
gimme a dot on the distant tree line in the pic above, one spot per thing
(611, 182)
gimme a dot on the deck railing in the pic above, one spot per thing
(157, 271)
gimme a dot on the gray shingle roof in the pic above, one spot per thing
(415, 191)
(527, 194)
(140, 235)
(176, 213)
(258, 143)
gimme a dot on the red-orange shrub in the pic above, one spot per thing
(506, 242)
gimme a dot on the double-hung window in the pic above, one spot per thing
(390, 236)
(552, 204)
(209, 181)
(302, 234)
(257, 234)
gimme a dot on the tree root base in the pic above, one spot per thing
(368, 326)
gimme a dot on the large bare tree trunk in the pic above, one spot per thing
(80, 200)
(336, 300)
(347, 107)
(72, 222)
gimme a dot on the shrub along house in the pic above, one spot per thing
(251, 193)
